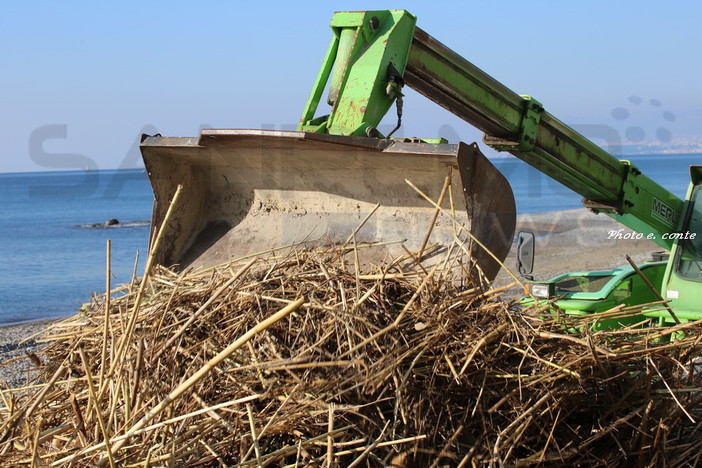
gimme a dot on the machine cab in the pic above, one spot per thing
(684, 273)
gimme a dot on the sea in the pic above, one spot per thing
(53, 240)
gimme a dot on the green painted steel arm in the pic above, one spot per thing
(373, 53)
(521, 126)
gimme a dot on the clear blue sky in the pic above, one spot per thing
(105, 72)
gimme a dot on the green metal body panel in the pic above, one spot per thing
(683, 276)
(589, 292)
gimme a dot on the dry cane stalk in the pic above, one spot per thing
(35, 444)
(383, 444)
(399, 318)
(254, 437)
(12, 422)
(204, 307)
(126, 337)
(653, 289)
(160, 425)
(370, 448)
(487, 339)
(358, 228)
(270, 421)
(330, 439)
(106, 324)
(269, 458)
(470, 234)
(692, 420)
(96, 406)
(447, 183)
(181, 389)
(80, 424)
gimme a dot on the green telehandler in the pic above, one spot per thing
(248, 191)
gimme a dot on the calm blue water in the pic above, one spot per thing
(49, 265)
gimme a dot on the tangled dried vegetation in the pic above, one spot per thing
(304, 361)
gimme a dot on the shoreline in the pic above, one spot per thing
(47, 321)
(17, 341)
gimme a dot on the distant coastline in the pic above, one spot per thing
(643, 150)
(626, 151)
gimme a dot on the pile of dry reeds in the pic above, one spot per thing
(305, 361)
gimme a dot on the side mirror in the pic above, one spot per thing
(526, 243)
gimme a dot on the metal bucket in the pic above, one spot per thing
(251, 191)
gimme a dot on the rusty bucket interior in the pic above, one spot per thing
(246, 192)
